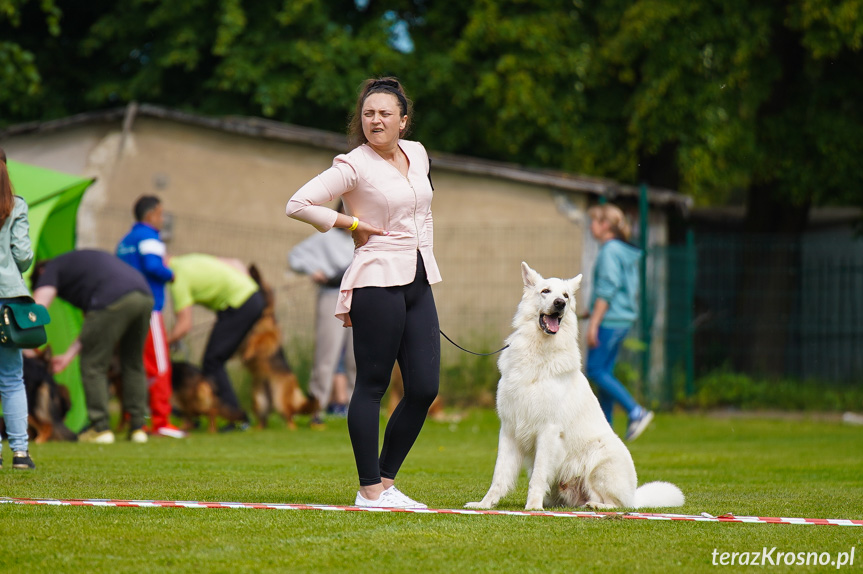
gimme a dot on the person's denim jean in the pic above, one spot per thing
(600, 371)
(13, 397)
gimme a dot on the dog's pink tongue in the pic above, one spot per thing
(552, 323)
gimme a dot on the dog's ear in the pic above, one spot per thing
(575, 283)
(529, 276)
(255, 274)
(248, 352)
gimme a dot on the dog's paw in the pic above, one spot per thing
(594, 505)
(478, 505)
(533, 505)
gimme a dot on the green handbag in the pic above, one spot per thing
(22, 324)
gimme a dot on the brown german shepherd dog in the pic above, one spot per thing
(194, 395)
(274, 385)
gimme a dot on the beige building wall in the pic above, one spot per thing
(226, 195)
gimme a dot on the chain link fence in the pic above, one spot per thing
(781, 306)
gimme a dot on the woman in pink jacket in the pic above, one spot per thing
(386, 292)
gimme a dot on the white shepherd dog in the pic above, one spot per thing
(551, 420)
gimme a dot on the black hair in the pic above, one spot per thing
(144, 205)
(378, 86)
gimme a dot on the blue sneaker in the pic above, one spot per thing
(638, 424)
(338, 410)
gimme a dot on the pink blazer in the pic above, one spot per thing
(379, 194)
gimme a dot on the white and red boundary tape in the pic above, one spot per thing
(703, 517)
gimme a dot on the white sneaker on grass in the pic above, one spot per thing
(139, 436)
(171, 431)
(390, 498)
(97, 437)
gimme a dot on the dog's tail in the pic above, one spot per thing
(658, 494)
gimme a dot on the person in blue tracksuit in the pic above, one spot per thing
(143, 249)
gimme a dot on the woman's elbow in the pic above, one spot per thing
(23, 257)
(296, 210)
(293, 208)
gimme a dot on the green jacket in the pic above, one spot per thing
(16, 254)
(615, 279)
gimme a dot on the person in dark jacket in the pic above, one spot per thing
(116, 302)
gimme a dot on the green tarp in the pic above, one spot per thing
(53, 200)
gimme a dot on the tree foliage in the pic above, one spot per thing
(296, 60)
(714, 97)
(19, 74)
(721, 99)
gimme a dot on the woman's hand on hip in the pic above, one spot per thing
(363, 231)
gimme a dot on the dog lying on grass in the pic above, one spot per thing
(552, 421)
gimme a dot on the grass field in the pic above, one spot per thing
(748, 466)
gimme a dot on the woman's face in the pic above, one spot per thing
(599, 229)
(382, 120)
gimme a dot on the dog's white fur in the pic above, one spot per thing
(552, 422)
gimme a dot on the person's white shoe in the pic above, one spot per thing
(97, 437)
(171, 431)
(410, 502)
(390, 498)
(138, 436)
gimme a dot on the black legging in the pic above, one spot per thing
(392, 323)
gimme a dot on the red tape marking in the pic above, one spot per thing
(704, 517)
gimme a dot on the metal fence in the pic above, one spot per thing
(769, 306)
(781, 306)
(656, 360)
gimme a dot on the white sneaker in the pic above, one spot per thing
(138, 436)
(171, 431)
(390, 498)
(410, 502)
(97, 437)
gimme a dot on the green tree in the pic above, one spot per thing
(19, 75)
(724, 100)
(759, 100)
(718, 99)
(295, 60)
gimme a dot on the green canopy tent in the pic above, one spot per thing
(53, 199)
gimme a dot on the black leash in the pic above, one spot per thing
(471, 352)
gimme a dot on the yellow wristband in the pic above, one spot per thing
(354, 225)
